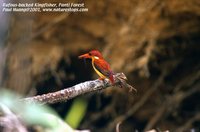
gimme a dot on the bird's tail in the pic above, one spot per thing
(111, 78)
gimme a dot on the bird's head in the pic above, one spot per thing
(93, 54)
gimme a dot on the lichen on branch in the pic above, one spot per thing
(79, 89)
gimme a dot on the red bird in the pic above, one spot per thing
(101, 67)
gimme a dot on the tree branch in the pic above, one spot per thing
(9, 122)
(79, 89)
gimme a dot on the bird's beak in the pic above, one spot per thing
(85, 56)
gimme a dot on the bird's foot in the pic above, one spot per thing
(101, 78)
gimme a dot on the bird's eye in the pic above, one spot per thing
(89, 54)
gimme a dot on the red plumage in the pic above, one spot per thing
(101, 67)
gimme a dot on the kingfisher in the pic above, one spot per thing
(100, 66)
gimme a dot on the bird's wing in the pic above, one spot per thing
(103, 67)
